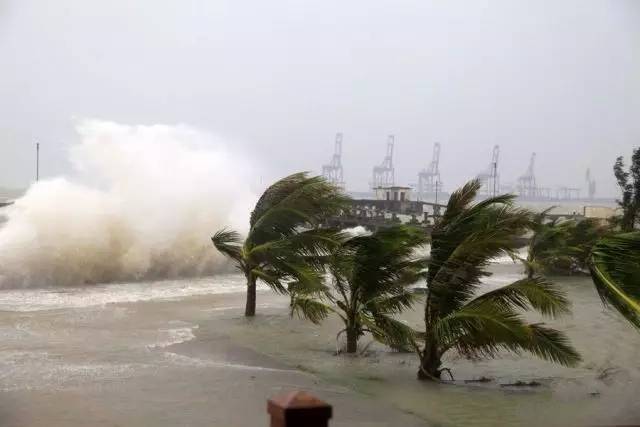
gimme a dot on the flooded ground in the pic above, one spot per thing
(180, 353)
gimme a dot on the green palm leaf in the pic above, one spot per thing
(531, 293)
(615, 269)
(389, 331)
(393, 304)
(310, 308)
(551, 344)
(483, 329)
(229, 243)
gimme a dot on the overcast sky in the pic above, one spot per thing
(279, 78)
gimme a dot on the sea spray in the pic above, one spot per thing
(142, 203)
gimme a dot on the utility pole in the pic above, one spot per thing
(495, 177)
(37, 161)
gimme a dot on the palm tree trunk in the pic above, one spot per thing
(352, 340)
(250, 308)
(430, 357)
(430, 363)
(530, 258)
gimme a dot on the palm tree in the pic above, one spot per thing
(477, 325)
(583, 237)
(629, 183)
(284, 242)
(548, 248)
(615, 268)
(561, 247)
(369, 279)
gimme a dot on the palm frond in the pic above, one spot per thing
(615, 269)
(316, 242)
(460, 199)
(310, 288)
(385, 260)
(393, 304)
(535, 293)
(276, 193)
(292, 202)
(550, 344)
(229, 243)
(310, 308)
(483, 330)
(389, 331)
(271, 277)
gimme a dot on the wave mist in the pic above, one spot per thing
(141, 204)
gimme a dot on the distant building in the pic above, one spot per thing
(393, 193)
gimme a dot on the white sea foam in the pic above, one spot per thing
(26, 300)
(356, 231)
(142, 204)
(23, 370)
(182, 360)
(183, 332)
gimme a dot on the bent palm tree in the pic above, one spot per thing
(548, 247)
(284, 242)
(561, 247)
(369, 280)
(463, 242)
(583, 237)
(615, 268)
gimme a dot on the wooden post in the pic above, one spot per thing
(298, 409)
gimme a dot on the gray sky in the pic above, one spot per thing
(279, 78)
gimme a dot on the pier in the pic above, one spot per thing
(392, 205)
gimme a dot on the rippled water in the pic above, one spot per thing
(602, 390)
(129, 336)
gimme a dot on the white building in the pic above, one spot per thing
(393, 193)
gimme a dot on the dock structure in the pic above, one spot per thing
(392, 205)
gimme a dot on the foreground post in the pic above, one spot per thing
(298, 409)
